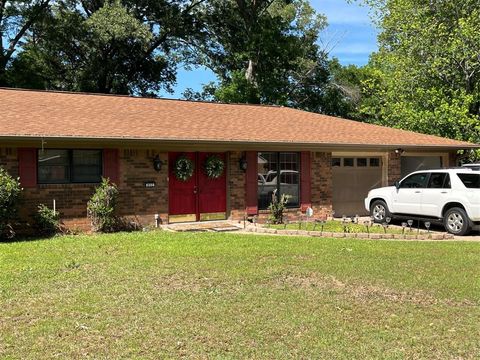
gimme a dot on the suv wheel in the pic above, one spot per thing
(379, 211)
(456, 222)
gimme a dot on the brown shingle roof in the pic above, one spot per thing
(77, 115)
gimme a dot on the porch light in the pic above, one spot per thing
(157, 163)
(399, 151)
(242, 163)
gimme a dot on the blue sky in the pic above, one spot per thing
(350, 36)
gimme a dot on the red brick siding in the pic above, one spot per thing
(135, 201)
(394, 167)
(141, 204)
(236, 186)
(322, 187)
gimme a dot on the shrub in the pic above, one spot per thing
(9, 195)
(47, 220)
(277, 207)
(101, 207)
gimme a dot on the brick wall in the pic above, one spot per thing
(236, 186)
(135, 201)
(136, 167)
(141, 204)
(394, 167)
(322, 186)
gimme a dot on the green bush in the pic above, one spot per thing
(277, 208)
(47, 221)
(101, 207)
(9, 195)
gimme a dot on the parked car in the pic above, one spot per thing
(474, 166)
(267, 185)
(450, 196)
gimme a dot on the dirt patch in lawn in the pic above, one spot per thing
(360, 292)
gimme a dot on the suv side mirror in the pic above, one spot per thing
(397, 184)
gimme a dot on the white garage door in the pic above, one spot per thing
(353, 178)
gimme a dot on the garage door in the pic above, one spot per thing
(414, 163)
(353, 178)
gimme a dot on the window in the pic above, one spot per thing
(471, 181)
(270, 164)
(348, 162)
(374, 162)
(415, 181)
(361, 162)
(336, 162)
(439, 181)
(69, 166)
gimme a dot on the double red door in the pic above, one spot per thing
(200, 197)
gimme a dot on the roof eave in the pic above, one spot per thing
(227, 144)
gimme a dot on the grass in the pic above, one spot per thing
(198, 295)
(338, 226)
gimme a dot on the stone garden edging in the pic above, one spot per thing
(371, 236)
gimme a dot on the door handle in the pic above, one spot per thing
(444, 192)
(195, 189)
(417, 192)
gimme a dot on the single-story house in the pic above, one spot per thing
(156, 150)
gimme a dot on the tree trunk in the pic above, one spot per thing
(250, 73)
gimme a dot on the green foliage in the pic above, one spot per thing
(47, 220)
(9, 195)
(106, 46)
(183, 168)
(17, 18)
(266, 52)
(277, 207)
(101, 207)
(214, 166)
(426, 74)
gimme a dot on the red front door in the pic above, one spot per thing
(200, 197)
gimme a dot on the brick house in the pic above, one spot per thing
(61, 144)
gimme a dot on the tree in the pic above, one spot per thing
(16, 20)
(426, 74)
(129, 46)
(265, 51)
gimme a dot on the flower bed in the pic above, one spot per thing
(335, 229)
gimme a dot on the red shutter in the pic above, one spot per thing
(305, 180)
(252, 183)
(27, 167)
(111, 165)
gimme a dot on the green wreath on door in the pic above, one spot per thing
(214, 167)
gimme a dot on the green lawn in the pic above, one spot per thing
(161, 294)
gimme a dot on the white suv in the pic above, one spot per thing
(451, 196)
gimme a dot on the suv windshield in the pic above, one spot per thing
(471, 181)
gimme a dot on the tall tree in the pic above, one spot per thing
(129, 46)
(426, 74)
(265, 51)
(16, 20)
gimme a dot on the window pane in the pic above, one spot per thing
(437, 181)
(471, 181)
(374, 162)
(267, 175)
(348, 162)
(415, 181)
(336, 162)
(361, 162)
(87, 166)
(290, 177)
(53, 166)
